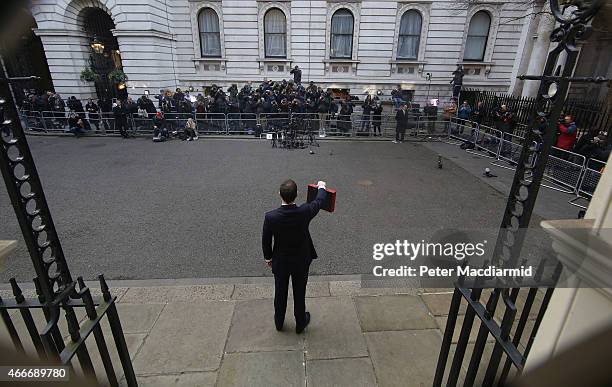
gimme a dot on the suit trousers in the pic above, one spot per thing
(299, 279)
(399, 134)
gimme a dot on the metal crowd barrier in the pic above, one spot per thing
(510, 149)
(564, 169)
(588, 182)
(462, 130)
(333, 124)
(487, 141)
(211, 123)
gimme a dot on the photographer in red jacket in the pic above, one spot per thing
(567, 133)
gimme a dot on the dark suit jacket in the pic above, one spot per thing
(402, 119)
(288, 226)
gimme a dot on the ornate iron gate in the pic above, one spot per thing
(55, 287)
(554, 84)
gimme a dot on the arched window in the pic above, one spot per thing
(210, 38)
(342, 34)
(275, 34)
(477, 36)
(409, 35)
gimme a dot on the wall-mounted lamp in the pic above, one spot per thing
(97, 46)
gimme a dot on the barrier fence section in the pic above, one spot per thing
(564, 169)
(487, 141)
(588, 182)
(324, 124)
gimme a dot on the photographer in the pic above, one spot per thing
(76, 124)
(505, 124)
(594, 145)
(365, 115)
(566, 135)
(376, 119)
(431, 113)
(121, 121)
(160, 132)
(94, 113)
(344, 119)
(450, 111)
(297, 74)
(464, 114)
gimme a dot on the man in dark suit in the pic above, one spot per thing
(401, 117)
(292, 251)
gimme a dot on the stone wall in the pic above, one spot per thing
(159, 44)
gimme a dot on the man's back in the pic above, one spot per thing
(288, 227)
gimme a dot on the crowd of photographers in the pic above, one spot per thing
(593, 144)
(169, 109)
(171, 113)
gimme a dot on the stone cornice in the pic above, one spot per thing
(59, 32)
(143, 33)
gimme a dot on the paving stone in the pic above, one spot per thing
(482, 367)
(520, 304)
(334, 329)
(253, 329)
(263, 369)
(186, 337)
(166, 294)
(40, 322)
(133, 341)
(7, 294)
(255, 291)
(117, 292)
(138, 318)
(438, 290)
(354, 288)
(189, 379)
(388, 313)
(406, 358)
(441, 321)
(438, 304)
(357, 372)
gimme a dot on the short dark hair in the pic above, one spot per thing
(288, 191)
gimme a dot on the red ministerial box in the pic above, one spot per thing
(329, 204)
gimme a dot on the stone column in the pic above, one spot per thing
(67, 54)
(539, 53)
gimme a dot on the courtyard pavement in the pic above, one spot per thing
(223, 335)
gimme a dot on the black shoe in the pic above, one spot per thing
(279, 324)
(300, 329)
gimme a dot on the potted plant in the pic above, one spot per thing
(88, 75)
(117, 76)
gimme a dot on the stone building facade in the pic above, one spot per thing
(361, 45)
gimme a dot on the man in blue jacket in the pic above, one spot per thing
(288, 250)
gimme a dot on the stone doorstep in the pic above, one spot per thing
(163, 327)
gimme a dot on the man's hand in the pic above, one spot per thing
(321, 184)
(269, 263)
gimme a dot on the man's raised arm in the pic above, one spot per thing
(316, 204)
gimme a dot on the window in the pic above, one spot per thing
(275, 34)
(409, 35)
(210, 39)
(342, 34)
(478, 33)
